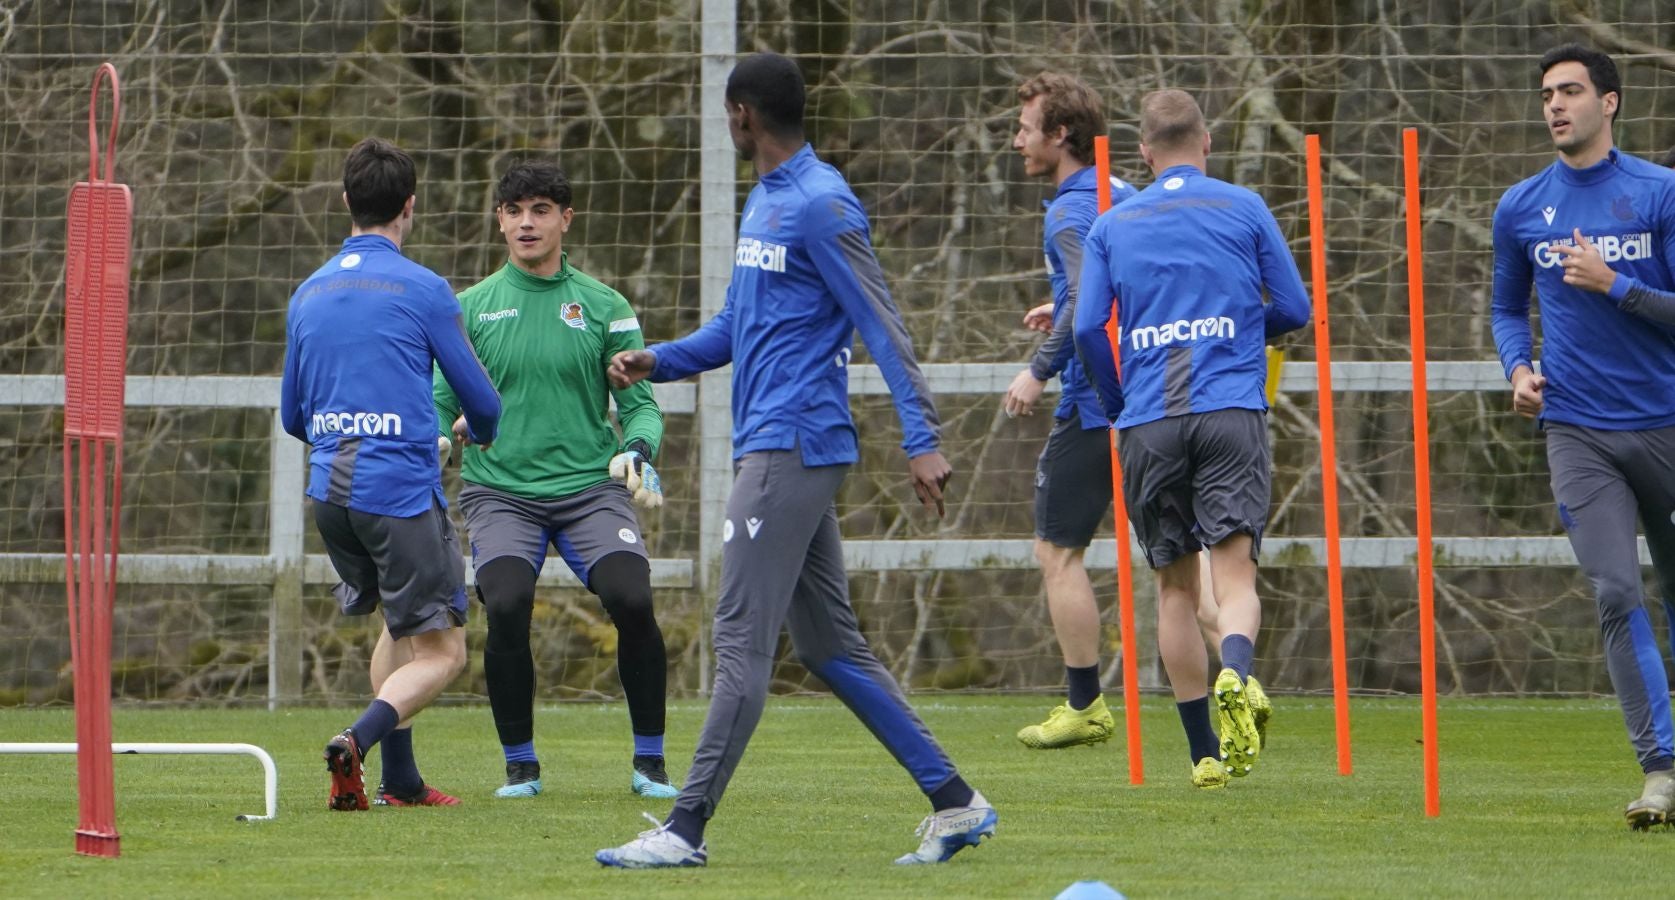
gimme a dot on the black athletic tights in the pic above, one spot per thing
(622, 582)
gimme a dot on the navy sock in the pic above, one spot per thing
(524, 752)
(401, 772)
(1658, 764)
(688, 824)
(374, 725)
(954, 792)
(1236, 653)
(648, 745)
(1200, 737)
(1084, 685)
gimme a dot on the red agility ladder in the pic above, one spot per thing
(101, 223)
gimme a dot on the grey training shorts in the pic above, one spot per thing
(1192, 481)
(411, 566)
(584, 527)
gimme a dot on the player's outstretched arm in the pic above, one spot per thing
(710, 347)
(464, 372)
(630, 367)
(446, 404)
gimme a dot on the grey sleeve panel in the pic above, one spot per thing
(1648, 302)
(897, 353)
(1055, 351)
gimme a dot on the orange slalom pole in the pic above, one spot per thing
(1125, 554)
(1422, 471)
(1328, 452)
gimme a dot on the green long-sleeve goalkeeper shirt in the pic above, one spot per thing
(545, 342)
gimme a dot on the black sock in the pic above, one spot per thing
(1200, 737)
(507, 587)
(954, 792)
(688, 824)
(623, 583)
(1084, 685)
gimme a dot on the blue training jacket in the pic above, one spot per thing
(804, 280)
(1069, 214)
(1605, 367)
(360, 335)
(1186, 262)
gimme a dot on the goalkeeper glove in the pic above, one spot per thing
(631, 468)
(444, 449)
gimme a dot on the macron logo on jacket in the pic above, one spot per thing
(1181, 331)
(356, 423)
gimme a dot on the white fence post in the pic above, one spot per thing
(717, 188)
(287, 480)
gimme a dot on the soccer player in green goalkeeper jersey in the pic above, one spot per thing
(559, 475)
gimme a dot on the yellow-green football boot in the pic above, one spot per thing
(1209, 774)
(1240, 742)
(1067, 727)
(1261, 709)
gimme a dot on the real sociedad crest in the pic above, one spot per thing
(571, 313)
(1623, 208)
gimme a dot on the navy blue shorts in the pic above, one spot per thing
(1072, 484)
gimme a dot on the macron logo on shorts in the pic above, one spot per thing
(753, 525)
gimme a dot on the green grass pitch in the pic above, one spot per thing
(1532, 797)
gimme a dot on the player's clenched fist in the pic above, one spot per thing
(1526, 392)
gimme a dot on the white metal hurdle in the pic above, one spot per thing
(270, 774)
